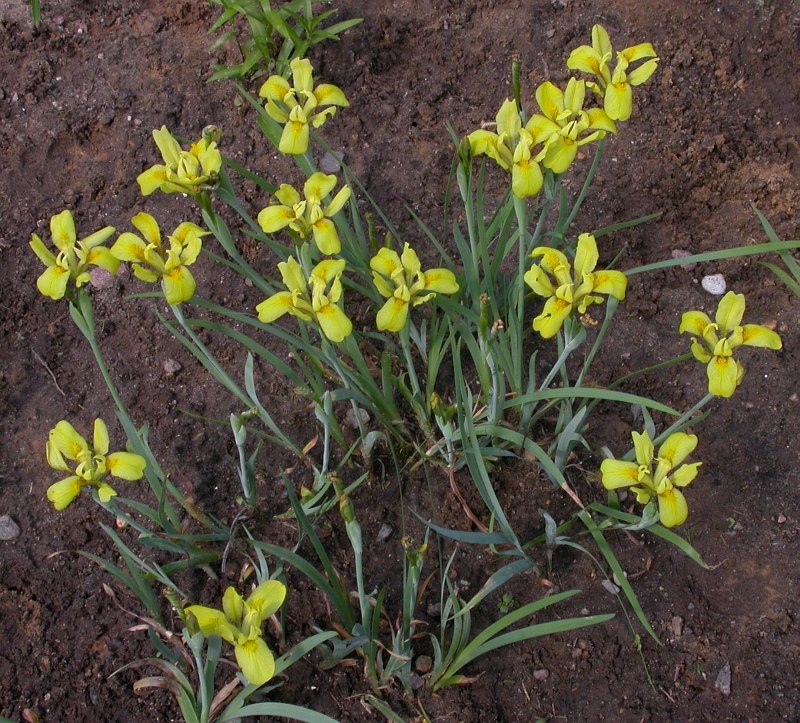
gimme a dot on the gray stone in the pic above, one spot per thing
(9, 530)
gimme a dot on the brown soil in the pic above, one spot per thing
(714, 132)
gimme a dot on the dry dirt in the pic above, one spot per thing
(714, 132)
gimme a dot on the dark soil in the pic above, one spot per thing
(714, 132)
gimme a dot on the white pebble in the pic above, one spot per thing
(714, 284)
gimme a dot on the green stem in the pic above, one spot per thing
(601, 144)
(520, 209)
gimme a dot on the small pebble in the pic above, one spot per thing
(332, 161)
(677, 626)
(385, 532)
(682, 254)
(423, 664)
(100, 278)
(714, 284)
(350, 417)
(781, 519)
(611, 587)
(172, 367)
(9, 530)
(723, 682)
(541, 675)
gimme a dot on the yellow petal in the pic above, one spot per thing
(265, 600)
(255, 661)
(302, 74)
(233, 606)
(294, 139)
(54, 458)
(551, 258)
(62, 493)
(393, 315)
(599, 120)
(643, 73)
(644, 448)
(67, 440)
(274, 307)
(62, 230)
(638, 52)
(151, 180)
(755, 335)
(102, 257)
(146, 225)
(338, 202)
(53, 282)
(385, 262)
(508, 120)
(561, 152)
(618, 103)
(694, 322)
(672, 508)
(213, 622)
(143, 274)
(168, 146)
(327, 94)
(550, 99)
(539, 282)
(574, 95)
(613, 283)
(100, 437)
(677, 447)
(586, 255)
(684, 475)
(318, 186)
(126, 465)
(274, 218)
(292, 275)
(42, 252)
(723, 376)
(526, 178)
(178, 285)
(325, 237)
(442, 281)
(617, 473)
(128, 247)
(552, 318)
(541, 128)
(730, 312)
(275, 88)
(333, 322)
(105, 492)
(586, 59)
(600, 40)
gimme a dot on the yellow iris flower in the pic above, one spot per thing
(715, 342)
(239, 623)
(182, 171)
(661, 483)
(93, 463)
(308, 217)
(564, 125)
(300, 104)
(315, 299)
(74, 257)
(511, 147)
(553, 280)
(151, 261)
(614, 87)
(401, 280)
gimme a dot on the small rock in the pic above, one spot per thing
(690, 606)
(332, 161)
(584, 611)
(541, 675)
(106, 116)
(385, 532)
(677, 626)
(100, 278)
(682, 254)
(9, 530)
(714, 284)
(423, 664)
(350, 417)
(172, 367)
(794, 398)
(723, 682)
(781, 519)
(610, 587)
